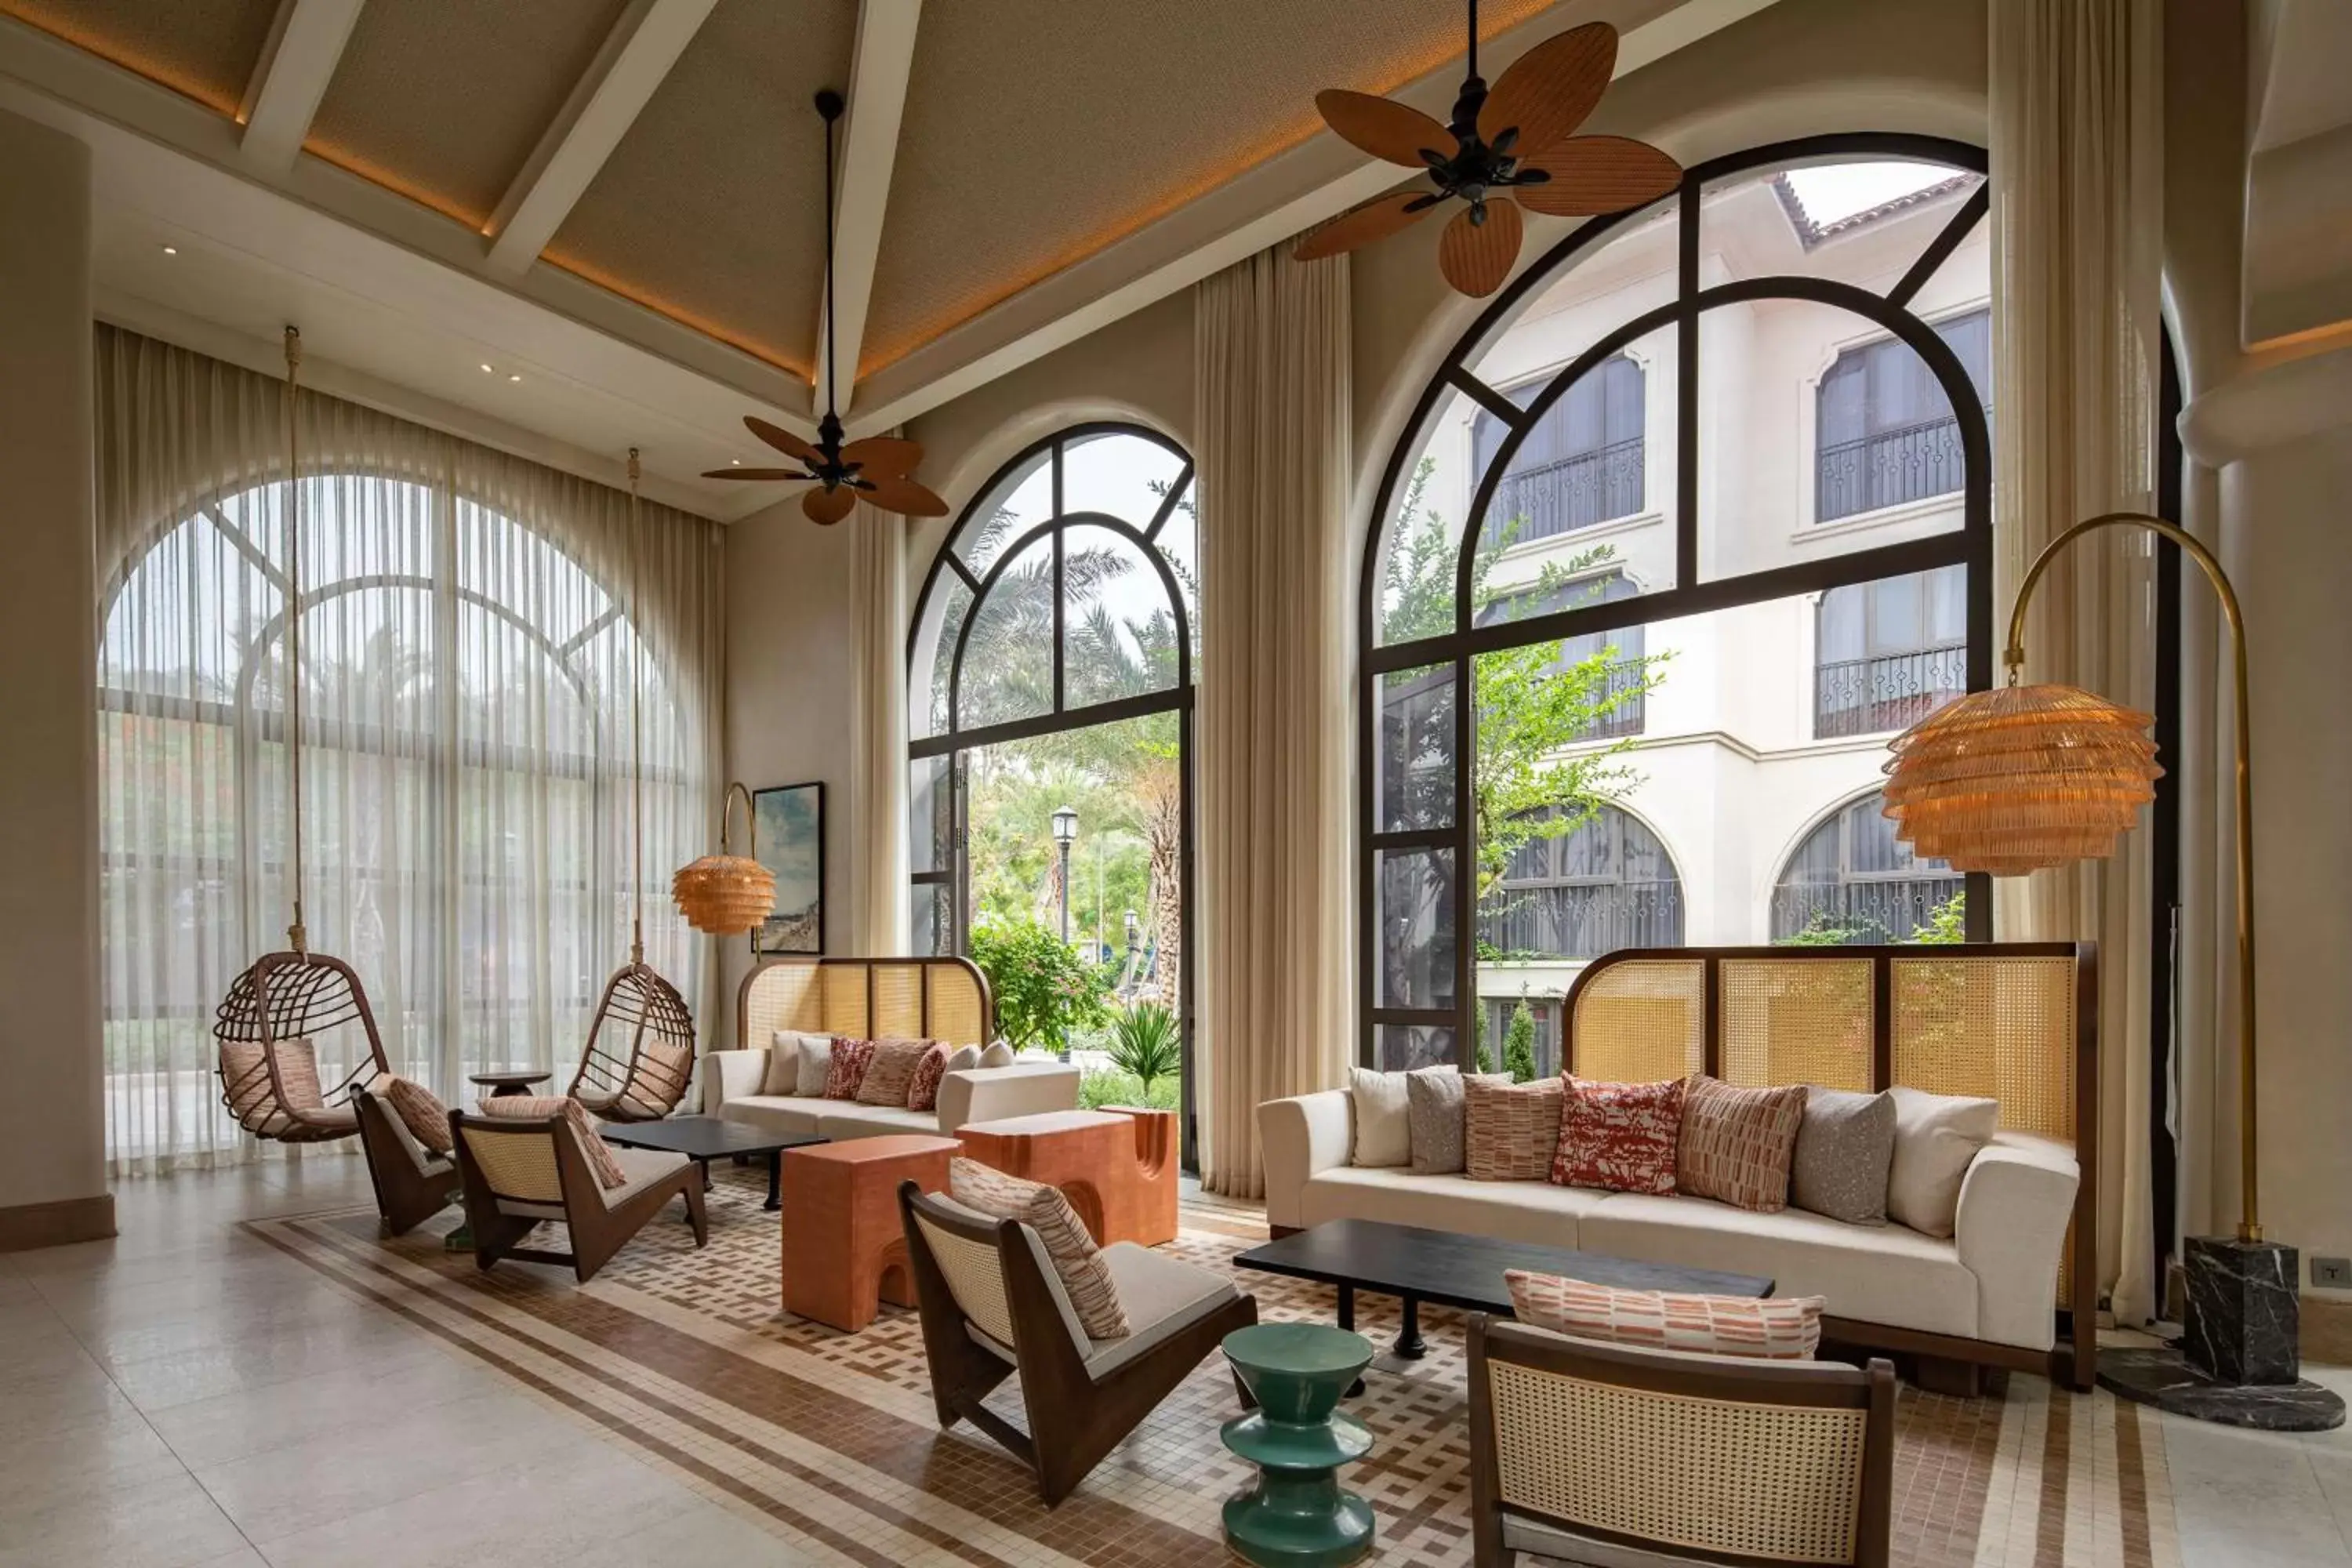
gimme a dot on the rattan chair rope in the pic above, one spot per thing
(640, 1049)
(267, 1026)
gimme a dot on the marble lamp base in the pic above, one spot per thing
(2239, 1360)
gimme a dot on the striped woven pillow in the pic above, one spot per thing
(1086, 1278)
(419, 1110)
(1511, 1129)
(1780, 1329)
(537, 1107)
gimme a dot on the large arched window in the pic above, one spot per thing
(1617, 567)
(1851, 880)
(1050, 666)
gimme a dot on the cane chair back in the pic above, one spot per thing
(517, 1158)
(279, 1021)
(974, 1271)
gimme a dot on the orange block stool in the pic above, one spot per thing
(844, 1246)
(1116, 1166)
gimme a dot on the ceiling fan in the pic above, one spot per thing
(1504, 149)
(877, 470)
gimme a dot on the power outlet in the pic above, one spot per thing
(2333, 1272)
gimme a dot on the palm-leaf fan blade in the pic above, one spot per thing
(1598, 175)
(781, 440)
(904, 497)
(1550, 91)
(771, 475)
(1476, 257)
(883, 455)
(829, 507)
(1373, 220)
(1388, 130)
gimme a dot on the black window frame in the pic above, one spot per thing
(1970, 545)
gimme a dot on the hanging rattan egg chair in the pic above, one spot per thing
(270, 1027)
(640, 1052)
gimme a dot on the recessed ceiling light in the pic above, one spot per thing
(486, 370)
(516, 376)
(171, 250)
(734, 462)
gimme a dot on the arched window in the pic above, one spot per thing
(1050, 665)
(1851, 881)
(1616, 568)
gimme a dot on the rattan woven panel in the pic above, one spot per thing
(520, 1166)
(1642, 1020)
(2000, 1027)
(955, 1006)
(1796, 1021)
(844, 999)
(781, 996)
(1761, 1480)
(975, 1277)
(898, 1002)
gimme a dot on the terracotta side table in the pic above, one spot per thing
(1117, 1167)
(844, 1246)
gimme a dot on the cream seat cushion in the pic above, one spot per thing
(1162, 1297)
(783, 1077)
(796, 1114)
(641, 1167)
(1937, 1137)
(1534, 1212)
(1881, 1274)
(843, 1121)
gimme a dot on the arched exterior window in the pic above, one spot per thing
(1851, 880)
(1611, 564)
(1049, 665)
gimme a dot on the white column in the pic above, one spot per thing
(52, 1163)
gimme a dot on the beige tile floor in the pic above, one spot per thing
(185, 1396)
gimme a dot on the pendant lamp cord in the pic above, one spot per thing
(296, 935)
(637, 732)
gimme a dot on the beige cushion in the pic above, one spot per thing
(998, 1055)
(781, 1113)
(892, 1072)
(1383, 1132)
(784, 1073)
(1785, 1329)
(1535, 1212)
(815, 1060)
(844, 1119)
(963, 1059)
(1162, 1295)
(1076, 1258)
(603, 1158)
(1935, 1137)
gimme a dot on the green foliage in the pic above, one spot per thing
(1824, 929)
(1112, 1086)
(1519, 1043)
(1947, 923)
(1481, 1058)
(1146, 1042)
(1043, 987)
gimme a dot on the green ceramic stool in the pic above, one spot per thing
(1296, 1516)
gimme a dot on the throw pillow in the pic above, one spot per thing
(1735, 1143)
(892, 1072)
(1844, 1146)
(1383, 1134)
(1619, 1137)
(1784, 1328)
(1433, 1113)
(923, 1089)
(244, 1078)
(660, 1077)
(298, 1070)
(815, 1065)
(1509, 1130)
(419, 1110)
(784, 1074)
(963, 1059)
(998, 1055)
(847, 1069)
(1085, 1277)
(537, 1107)
(1937, 1137)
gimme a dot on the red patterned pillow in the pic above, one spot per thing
(1737, 1143)
(1619, 1137)
(1783, 1329)
(923, 1089)
(850, 1060)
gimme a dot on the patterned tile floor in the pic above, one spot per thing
(248, 1376)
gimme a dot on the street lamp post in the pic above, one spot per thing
(1065, 831)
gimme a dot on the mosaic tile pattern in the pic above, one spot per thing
(830, 1441)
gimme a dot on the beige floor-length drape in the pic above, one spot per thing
(878, 763)
(1271, 441)
(2077, 229)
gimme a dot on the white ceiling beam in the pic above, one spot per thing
(885, 58)
(1284, 195)
(305, 42)
(636, 57)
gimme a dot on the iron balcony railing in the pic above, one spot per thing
(1582, 920)
(1627, 683)
(1566, 494)
(1909, 463)
(1887, 908)
(1888, 692)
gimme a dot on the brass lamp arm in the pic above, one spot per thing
(750, 820)
(2249, 1225)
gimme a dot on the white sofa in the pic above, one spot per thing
(1995, 1282)
(732, 1082)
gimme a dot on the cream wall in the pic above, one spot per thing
(52, 1169)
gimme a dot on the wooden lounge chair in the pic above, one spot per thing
(518, 1173)
(992, 1304)
(1613, 1454)
(412, 1183)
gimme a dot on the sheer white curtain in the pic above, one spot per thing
(468, 645)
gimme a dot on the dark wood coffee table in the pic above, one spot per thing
(703, 1139)
(502, 1084)
(1465, 1271)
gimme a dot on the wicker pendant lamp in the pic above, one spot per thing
(726, 894)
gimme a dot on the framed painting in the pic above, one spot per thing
(788, 840)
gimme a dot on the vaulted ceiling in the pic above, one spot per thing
(622, 200)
